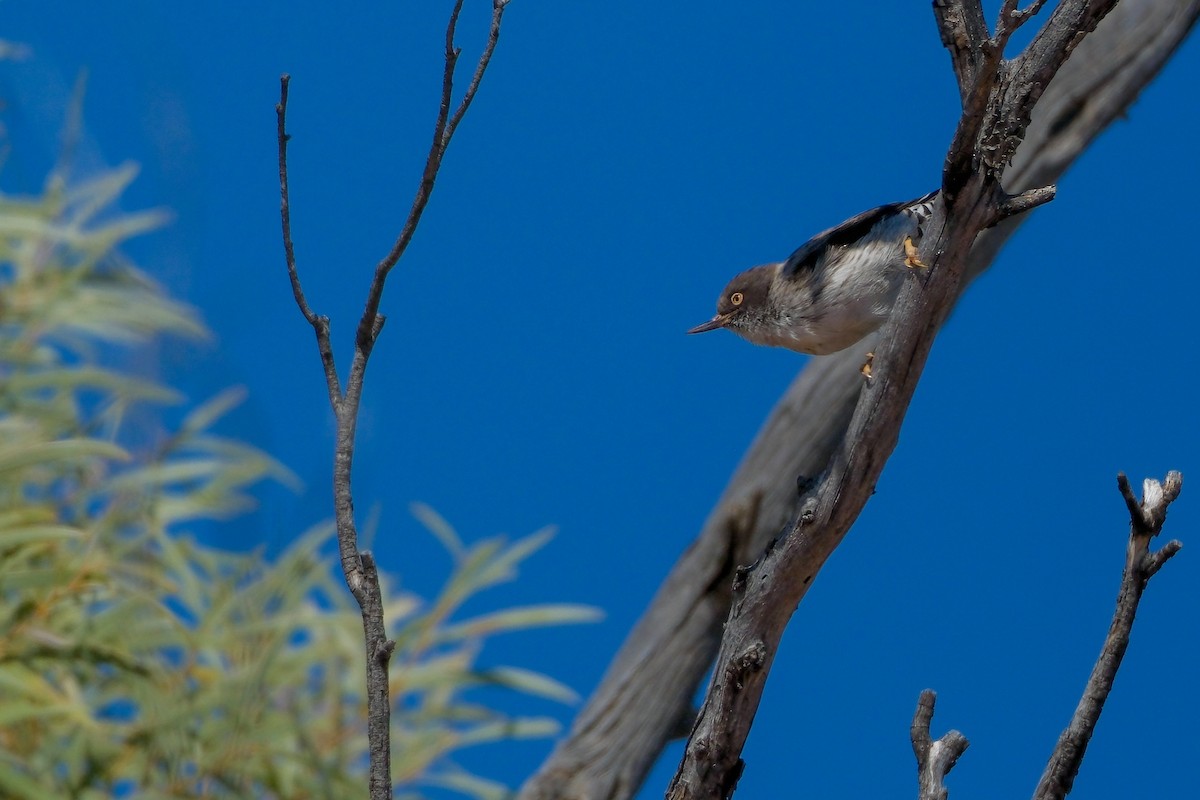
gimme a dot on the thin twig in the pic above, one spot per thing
(1146, 518)
(1028, 74)
(1015, 204)
(359, 568)
(1031, 11)
(320, 324)
(1011, 19)
(285, 208)
(1002, 104)
(443, 132)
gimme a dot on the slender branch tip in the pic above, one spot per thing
(358, 566)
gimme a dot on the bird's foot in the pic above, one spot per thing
(866, 367)
(911, 258)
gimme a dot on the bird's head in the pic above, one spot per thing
(743, 303)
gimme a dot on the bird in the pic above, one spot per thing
(835, 289)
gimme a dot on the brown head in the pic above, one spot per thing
(744, 300)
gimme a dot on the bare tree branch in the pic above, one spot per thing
(963, 29)
(1146, 518)
(1012, 205)
(980, 151)
(974, 56)
(1011, 19)
(358, 566)
(934, 759)
(443, 132)
(320, 324)
(652, 680)
(1004, 93)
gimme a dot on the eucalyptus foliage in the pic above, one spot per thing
(138, 662)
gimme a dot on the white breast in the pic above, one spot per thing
(850, 292)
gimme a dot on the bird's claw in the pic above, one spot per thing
(912, 259)
(866, 367)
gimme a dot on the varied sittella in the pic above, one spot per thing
(837, 288)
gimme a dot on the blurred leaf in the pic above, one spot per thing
(437, 525)
(529, 682)
(78, 378)
(519, 618)
(137, 662)
(22, 456)
(503, 567)
(154, 476)
(207, 413)
(30, 534)
(471, 785)
(521, 728)
(17, 785)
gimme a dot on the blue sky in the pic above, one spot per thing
(622, 161)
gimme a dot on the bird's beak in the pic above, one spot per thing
(716, 322)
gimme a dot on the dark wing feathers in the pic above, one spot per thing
(849, 231)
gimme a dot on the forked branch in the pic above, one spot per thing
(359, 566)
(443, 132)
(651, 682)
(970, 201)
(1146, 518)
(935, 759)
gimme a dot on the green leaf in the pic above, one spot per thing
(437, 525)
(77, 378)
(519, 618)
(156, 476)
(24, 456)
(521, 728)
(30, 534)
(39, 578)
(19, 786)
(134, 657)
(463, 782)
(26, 515)
(529, 682)
(207, 413)
(90, 196)
(503, 567)
(17, 713)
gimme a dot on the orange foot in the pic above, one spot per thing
(911, 259)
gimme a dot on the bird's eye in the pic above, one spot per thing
(736, 298)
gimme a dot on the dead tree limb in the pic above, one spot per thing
(996, 112)
(358, 566)
(935, 759)
(650, 683)
(1146, 518)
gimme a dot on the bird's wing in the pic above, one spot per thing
(848, 232)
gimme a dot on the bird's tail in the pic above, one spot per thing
(921, 208)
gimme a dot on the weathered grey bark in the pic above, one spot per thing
(935, 759)
(358, 566)
(999, 96)
(648, 688)
(1146, 518)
